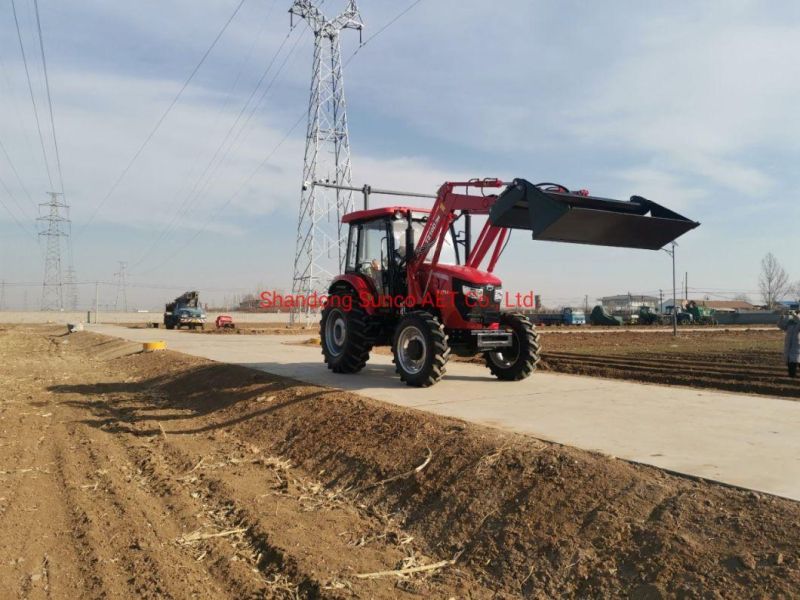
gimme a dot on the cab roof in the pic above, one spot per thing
(376, 213)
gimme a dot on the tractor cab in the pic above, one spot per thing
(380, 242)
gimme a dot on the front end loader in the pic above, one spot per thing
(415, 278)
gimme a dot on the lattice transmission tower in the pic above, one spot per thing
(56, 227)
(122, 287)
(70, 288)
(321, 244)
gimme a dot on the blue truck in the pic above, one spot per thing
(185, 311)
(567, 316)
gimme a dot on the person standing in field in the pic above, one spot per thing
(790, 324)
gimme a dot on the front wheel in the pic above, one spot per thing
(420, 349)
(520, 359)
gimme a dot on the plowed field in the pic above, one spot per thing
(159, 475)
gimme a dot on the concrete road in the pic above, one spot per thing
(744, 440)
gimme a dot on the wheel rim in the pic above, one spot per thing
(335, 332)
(411, 350)
(506, 357)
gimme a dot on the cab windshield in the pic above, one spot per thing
(448, 256)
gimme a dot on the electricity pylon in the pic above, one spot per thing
(57, 227)
(122, 286)
(71, 289)
(321, 243)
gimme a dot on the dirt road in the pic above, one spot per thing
(166, 476)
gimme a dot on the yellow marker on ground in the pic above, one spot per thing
(153, 346)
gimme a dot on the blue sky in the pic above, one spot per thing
(692, 105)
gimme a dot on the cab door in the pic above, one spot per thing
(372, 257)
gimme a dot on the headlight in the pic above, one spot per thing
(474, 293)
(498, 296)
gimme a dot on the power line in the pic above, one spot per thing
(30, 89)
(230, 199)
(160, 235)
(9, 192)
(16, 174)
(162, 117)
(49, 98)
(193, 192)
(274, 150)
(17, 112)
(8, 210)
(386, 26)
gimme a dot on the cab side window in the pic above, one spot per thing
(352, 249)
(373, 253)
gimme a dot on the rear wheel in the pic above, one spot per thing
(344, 334)
(520, 360)
(420, 349)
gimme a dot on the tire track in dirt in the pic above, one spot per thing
(244, 565)
(122, 536)
(276, 574)
(286, 571)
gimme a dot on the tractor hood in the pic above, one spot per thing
(466, 274)
(569, 217)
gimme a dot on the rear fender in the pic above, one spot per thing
(357, 285)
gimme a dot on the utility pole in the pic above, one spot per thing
(686, 285)
(661, 301)
(122, 287)
(56, 227)
(321, 240)
(96, 302)
(671, 252)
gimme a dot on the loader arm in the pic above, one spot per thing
(550, 213)
(442, 216)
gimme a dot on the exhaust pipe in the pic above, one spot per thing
(567, 217)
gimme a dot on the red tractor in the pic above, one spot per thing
(414, 279)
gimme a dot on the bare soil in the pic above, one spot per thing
(749, 361)
(160, 475)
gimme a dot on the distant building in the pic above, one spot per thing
(727, 305)
(628, 303)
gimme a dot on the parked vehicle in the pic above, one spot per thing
(224, 322)
(700, 315)
(185, 311)
(599, 316)
(647, 316)
(567, 316)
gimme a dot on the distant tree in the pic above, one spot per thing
(773, 282)
(742, 298)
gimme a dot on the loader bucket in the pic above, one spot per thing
(567, 217)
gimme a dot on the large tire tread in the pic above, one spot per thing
(358, 343)
(437, 338)
(526, 364)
